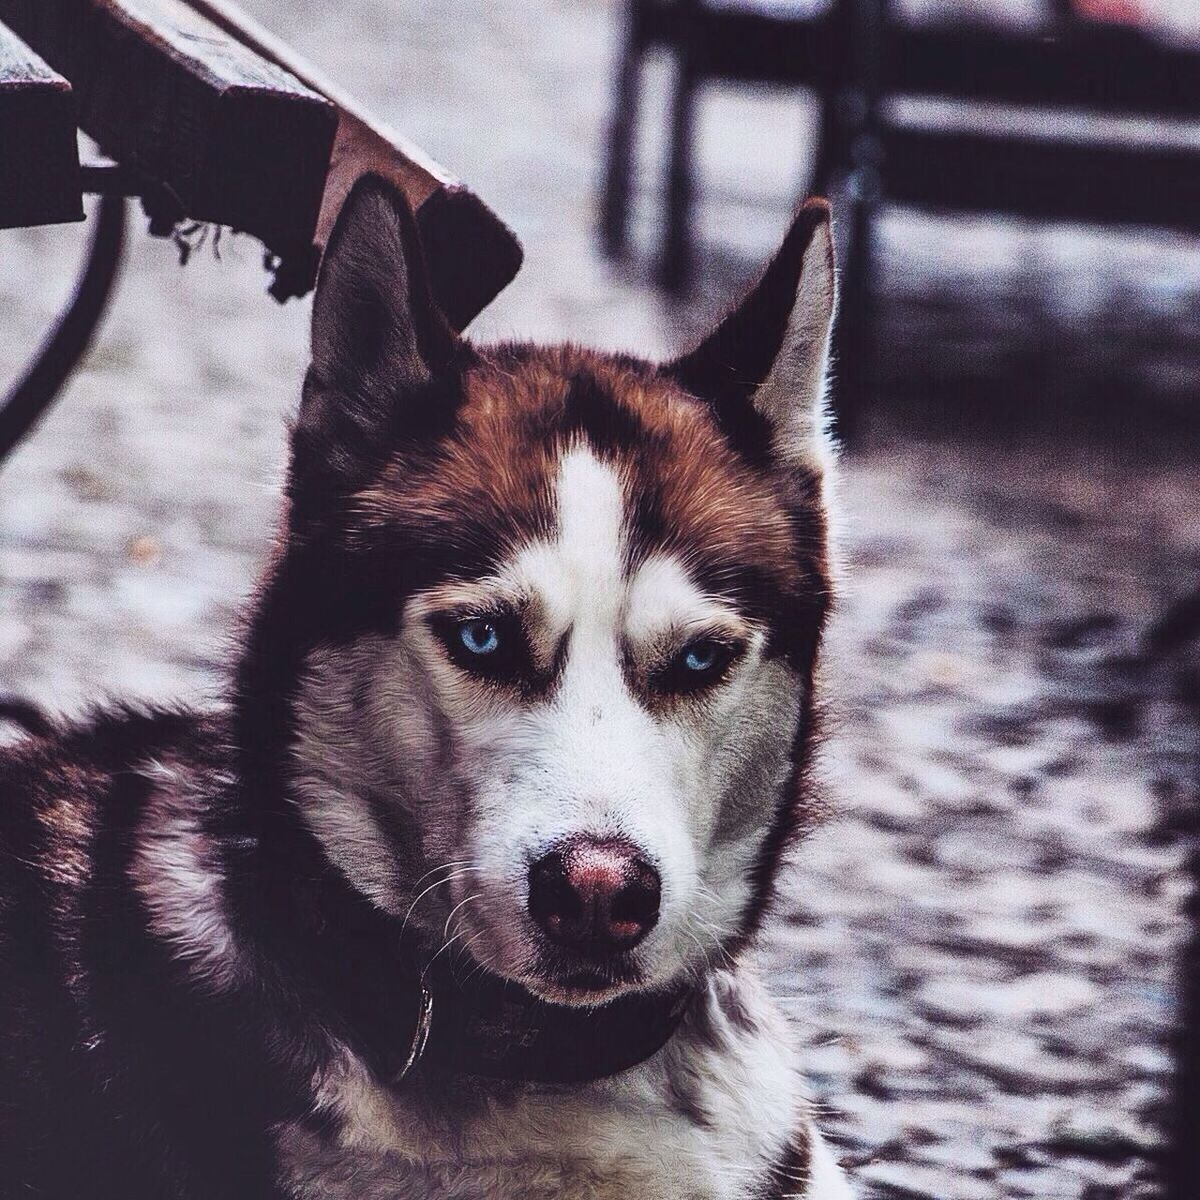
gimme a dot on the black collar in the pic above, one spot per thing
(490, 1028)
(447, 1018)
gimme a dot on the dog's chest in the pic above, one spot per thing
(699, 1122)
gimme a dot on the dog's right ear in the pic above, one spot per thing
(378, 341)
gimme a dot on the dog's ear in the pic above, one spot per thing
(379, 342)
(763, 368)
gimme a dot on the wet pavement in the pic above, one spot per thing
(978, 952)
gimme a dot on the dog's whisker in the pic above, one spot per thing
(445, 946)
(446, 866)
(432, 887)
(460, 905)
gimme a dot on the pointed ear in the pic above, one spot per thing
(379, 344)
(764, 367)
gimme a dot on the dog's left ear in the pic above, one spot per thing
(763, 368)
(378, 340)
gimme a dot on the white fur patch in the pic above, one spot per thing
(176, 871)
(826, 1180)
(704, 1119)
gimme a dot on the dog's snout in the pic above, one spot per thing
(594, 895)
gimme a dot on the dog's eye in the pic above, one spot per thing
(492, 646)
(698, 665)
(703, 656)
(479, 637)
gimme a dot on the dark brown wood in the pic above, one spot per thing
(1103, 69)
(39, 156)
(1048, 179)
(235, 139)
(709, 41)
(472, 254)
(618, 159)
(676, 263)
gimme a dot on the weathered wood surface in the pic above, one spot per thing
(472, 253)
(39, 155)
(234, 138)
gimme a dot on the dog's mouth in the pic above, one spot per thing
(555, 977)
(567, 979)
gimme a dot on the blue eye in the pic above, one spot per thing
(479, 637)
(702, 656)
(698, 666)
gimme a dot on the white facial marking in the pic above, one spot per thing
(662, 600)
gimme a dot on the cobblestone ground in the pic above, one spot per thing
(979, 952)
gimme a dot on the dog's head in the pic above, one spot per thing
(554, 617)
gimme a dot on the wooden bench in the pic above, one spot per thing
(205, 117)
(790, 43)
(39, 159)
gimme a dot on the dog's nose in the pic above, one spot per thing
(594, 895)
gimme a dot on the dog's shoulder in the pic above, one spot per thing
(110, 1063)
(61, 792)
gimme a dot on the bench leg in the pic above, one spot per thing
(61, 352)
(622, 133)
(831, 156)
(675, 268)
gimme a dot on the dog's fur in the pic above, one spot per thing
(211, 928)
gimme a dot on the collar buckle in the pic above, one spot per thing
(420, 1035)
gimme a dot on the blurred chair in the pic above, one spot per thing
(788, 42)
(1003, 134)
(1019, 148)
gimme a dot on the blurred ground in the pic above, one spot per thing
(979, 952)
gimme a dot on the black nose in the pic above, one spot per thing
(594, 895)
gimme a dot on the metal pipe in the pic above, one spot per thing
(71, 337)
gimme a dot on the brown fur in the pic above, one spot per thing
(494, 475)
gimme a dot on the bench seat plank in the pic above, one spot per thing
(1093, 68)
(234, 138)
(39, 153)
(472, 255)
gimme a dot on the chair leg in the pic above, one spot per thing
(854, 339)
(622, 132)
(830, 152)
(675, 268)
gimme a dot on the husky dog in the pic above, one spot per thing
(454, 902)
